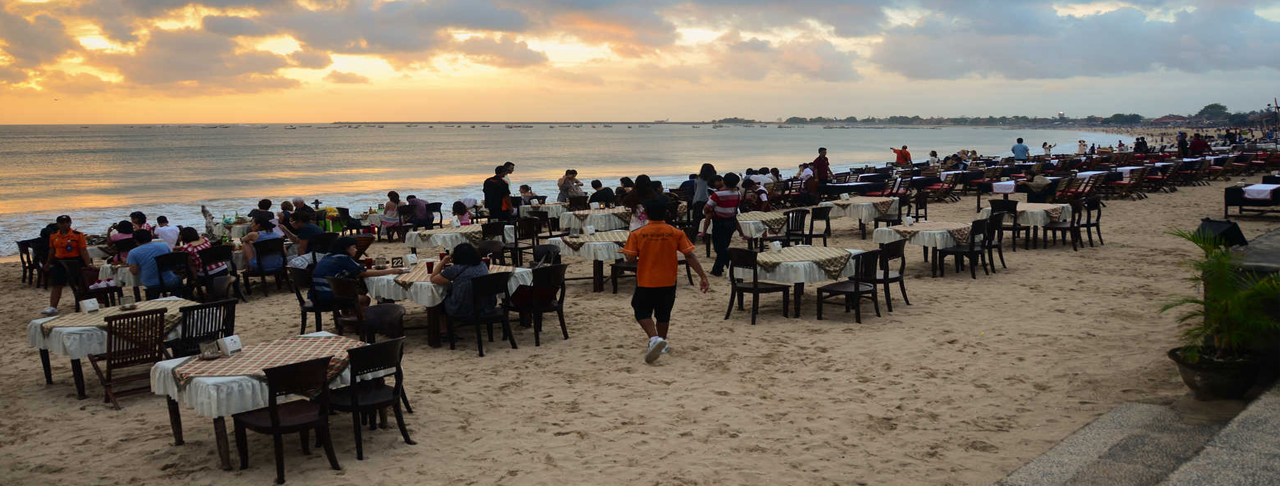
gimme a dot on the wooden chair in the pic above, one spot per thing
(406, 213)
(579, 203)
(492, 285)
(970, 249)
(263, 249)
(32, 268)
(495, 250)
(435, 211)
(300, 278)
(121, 248)
(384, 319)
(742, 259)
(904, 204)
(349, 223)
(308, 379)
(177, 263)
(1093, 218)
(1067, 229)
(885, 276)
(822, 213)
(793, 231)
(552, 225)
(369, 397)
(545, 294)
(78, 278)
(858, 287)
(527, 230)
(993, 239)
(133, 339)
(363, 242)
(203, 323)
(1015, 228)
(1129, 187)
(944, 191)
(221, 254)
(346, 297)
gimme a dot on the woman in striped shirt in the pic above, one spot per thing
(192, 243)
(722, 209)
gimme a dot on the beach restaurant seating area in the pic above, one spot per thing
(347, 358)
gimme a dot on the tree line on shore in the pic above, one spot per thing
(1212, 114)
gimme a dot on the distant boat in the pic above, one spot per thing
(484, 126)
(628, 126)
(593, 126)
(551, 127)
(84, 127)
(662, 121)
(290, 127)
(695, 126)
(473, 126)
(611, 126)
(643, 126)
(410, 126)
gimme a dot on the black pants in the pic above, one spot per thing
(722, 231)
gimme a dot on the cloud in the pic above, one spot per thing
(235, 26)
(340, 77)
(502, 52)
(40, 41)
(311, 59)
(74, 84)
(754, 59)
(198, 62)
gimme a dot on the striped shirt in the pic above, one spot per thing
(725, 202)
(194, 252)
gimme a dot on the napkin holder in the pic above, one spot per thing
(410, 260)
(229, 345)
(209, 350)
(89, 306)
(776, 246)
(909, 220)
(595, 205)
(589, 230)
(844, 196)
(456, 223)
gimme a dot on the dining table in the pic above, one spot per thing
(222, 387)
(80, 334)
(600, 247)
(416, 287)
(451, 236)
(600, 219)
(802, 264)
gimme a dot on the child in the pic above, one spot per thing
(654, 246)
(461, 214)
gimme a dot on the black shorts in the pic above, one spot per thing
(655, 302)
(58, 272)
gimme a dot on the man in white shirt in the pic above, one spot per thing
(762, 176)
(165, 232)
(805, 172)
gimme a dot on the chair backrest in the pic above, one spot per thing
(528, 229)
(345, 214)
(308, 378)
(363, 242)
(434, 209)
(373, 358)
(406, 212)
(135, 338)
(577, 203)
(490, 248)
(218, 253)
(795, 220)
(866, 264)
(300, 278)
(921, 204)
(546, 255)
(995, 228)
(543, 217)
(893, 251)
(821, 213)
(178, 262)
(978, 228)
(274, 246)
(491, 285)
(548, 283)
(741, 258)
(387, 317)
(515, 201)
(497, 229)
(344, 288)
(321, 242)
(123, 246)
(203, 323)
(1007, 206)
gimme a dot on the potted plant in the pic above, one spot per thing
(1219, 357)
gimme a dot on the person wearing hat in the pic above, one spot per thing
(64, 244)
(341, 263)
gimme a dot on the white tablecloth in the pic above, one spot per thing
(97, 253)
(864, 212)
(221, 396)
(553, 210)
(120, 273)
(1127, 170)
(927, 239)
(1260, 191)
(1033, 217)
(601, 222)
(448, 240)
(601, 251)
(1083, 175)
(1009, 187)
(426, 293)
(78, 342)
(799, 272)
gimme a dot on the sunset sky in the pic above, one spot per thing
(175, 61)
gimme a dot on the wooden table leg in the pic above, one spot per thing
(799, 288)
(979, 191)
(137, 294)
(175, 421)
(44, 363)
(434, 320)
(597, 276)
(220, 436)
(79, 377)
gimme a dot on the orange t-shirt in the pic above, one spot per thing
(904, 157)
(68, 245)
(656, 244)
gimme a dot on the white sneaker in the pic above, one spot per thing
(667, 348)
(656, 347)
(48, 311)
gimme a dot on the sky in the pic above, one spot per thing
(289, 61)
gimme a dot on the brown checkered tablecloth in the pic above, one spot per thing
(576, 242)
(254, 358)
(99, 319)
(959, 231)
(622, 213)
(501, 269)
(419, 273)
(831, 260)
(882, 204)
(474, 233)
(774, 220)
(1053, 210)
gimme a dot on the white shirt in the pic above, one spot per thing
(762, 179)
(807, 174)
(169, 234)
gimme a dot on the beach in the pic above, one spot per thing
(969, 382)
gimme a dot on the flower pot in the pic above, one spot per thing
(1210, 378)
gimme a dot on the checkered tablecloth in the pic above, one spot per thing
(99, 319)
(576, 242)
(254, 358)
(831, 260)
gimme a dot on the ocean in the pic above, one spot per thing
(99, 174)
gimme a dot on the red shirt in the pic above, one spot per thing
(821, 167)
(725, 203)
(904, 157)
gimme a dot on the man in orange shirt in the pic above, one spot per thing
(655, 246)
(904, 157)
(65, 244)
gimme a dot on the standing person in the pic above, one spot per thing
(933, 158)
(569, 186)
(903, 156)
(142, 262)
(722, 209)
(687, 187)
(654, 249)
(822, 167)
(496, 191)
(1048, 148)
(601, 194)
(701, 190)
(169, 233)
(509, 167)
(1021, 152)
(64, 244)
(635, 201)
(1082, 147)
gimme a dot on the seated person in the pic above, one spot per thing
(263, 210)
(602, 195)
(286, 210)
(302, 232)
(341, 263)
(466, 265)
(117, 232)
(165, 232)
(420, 216)
(300, 206)
(1039, 187)
(461, 214)
(192, 243)
(757, 197)
(262, 232)
(139, 221)
(142, 262)
(526, 194)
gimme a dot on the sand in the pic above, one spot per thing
(971, 381)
